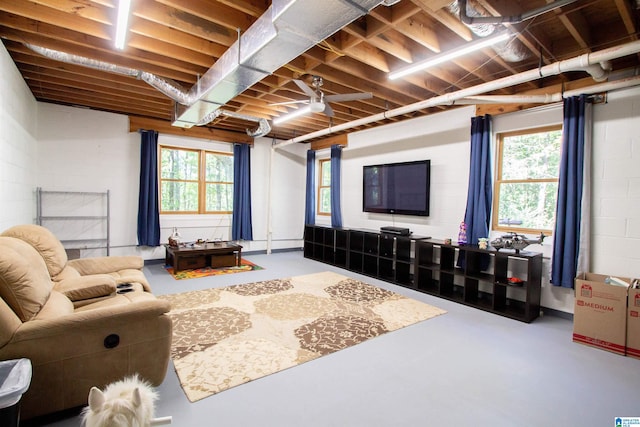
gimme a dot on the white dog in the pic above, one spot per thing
(126, 403)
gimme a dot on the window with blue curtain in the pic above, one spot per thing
(241, 227)
(148, 204)
(567, 233)
(480, 192)
(336, 212)
(310, 194)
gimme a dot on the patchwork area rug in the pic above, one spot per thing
(209, 271)
(229, 336)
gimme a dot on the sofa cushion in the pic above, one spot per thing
(66, 273)
(25, 284)
(45, 242)
(57, 305)
(106, 264)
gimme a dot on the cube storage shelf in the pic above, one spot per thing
(384, 256)
(328, 245)
(502, 282)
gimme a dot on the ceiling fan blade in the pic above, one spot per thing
(303, 101)
(328, 110)
(348, 97)
(305, 88)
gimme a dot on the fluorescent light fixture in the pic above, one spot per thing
(121, 25)
(448, 56)
(297, 113)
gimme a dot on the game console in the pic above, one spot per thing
(400, 231)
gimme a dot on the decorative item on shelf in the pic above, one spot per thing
(515, 281)
(515, 241)
(483, 242)
(174, 239)
(462, 234)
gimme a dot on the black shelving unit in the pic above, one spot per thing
(384, 256)
(363, 252)
(326, 244)
(503, 282)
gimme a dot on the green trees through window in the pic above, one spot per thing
(324, 188)
(219, 182)
(195, 181)
(527, 180)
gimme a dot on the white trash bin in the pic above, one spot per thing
(15, 377)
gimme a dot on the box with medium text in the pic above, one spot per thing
(633, 324)
(600, 313)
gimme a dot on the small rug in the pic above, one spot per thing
(209, 271)
(229, 336)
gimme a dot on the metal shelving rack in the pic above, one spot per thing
(70, 213)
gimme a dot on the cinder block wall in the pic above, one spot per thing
(18, 144)
(615, 228)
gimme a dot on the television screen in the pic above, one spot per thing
(397, 188)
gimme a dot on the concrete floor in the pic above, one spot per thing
(466, 367)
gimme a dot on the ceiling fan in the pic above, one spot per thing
(318, 102)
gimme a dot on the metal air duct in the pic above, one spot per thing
(263, 125)
(286, 30)
(473, 20)
(511, 51)
(171, 89)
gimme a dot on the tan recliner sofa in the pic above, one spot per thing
(76, 329)
(83, 280)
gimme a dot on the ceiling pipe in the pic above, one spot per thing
(515, 19)
(551, 98)
(599, 72)
(573, 64)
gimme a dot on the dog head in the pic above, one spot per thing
(127, 403)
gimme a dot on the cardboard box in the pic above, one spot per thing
(600, 313)
(633, 324)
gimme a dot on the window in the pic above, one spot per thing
(324, 187)
(195, 181)
(527, 180)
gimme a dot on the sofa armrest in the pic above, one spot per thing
(106, 264)
(86, 287)
(91, 321)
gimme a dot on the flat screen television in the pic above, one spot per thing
(397, 188)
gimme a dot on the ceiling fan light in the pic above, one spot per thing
(316, 107)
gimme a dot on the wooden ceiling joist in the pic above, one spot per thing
(202, 132)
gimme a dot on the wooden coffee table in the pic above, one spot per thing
(187, 257)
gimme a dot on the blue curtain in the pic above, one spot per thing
(310, 198)
(336, 212)
(480, 193)
(241, 228)
(566, 236)
(148, 207)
